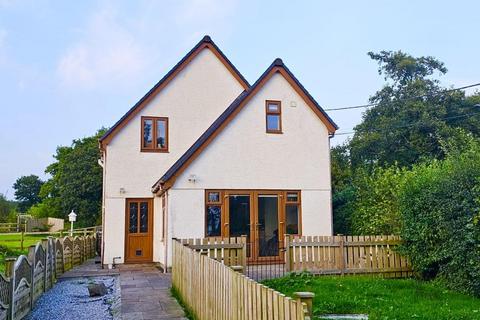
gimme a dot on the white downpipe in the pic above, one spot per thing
(166, 239)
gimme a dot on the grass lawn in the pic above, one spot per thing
(10, 246)
(380, 298)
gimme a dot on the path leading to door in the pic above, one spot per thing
(146, 295)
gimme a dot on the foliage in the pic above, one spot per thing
(380, 298)
(412, 114)
(439, 202)
(7, 210)
(342, 190)
(27, 190)
(343, 208)
(76, 182)
(341, 168)
(375, 208)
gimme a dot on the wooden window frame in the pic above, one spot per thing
(268, 112)
(220, 204)
(154, 147)
(297, 203)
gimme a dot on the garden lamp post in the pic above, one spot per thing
(72, 217)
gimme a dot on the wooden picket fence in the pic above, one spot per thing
(229, 251)
(346, 255)
(28, 277)
(214, 291)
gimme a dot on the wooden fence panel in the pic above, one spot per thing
(4, 296)
(67, 244)
(29, 277)
(346, 255)
(229, 251)
(214, 291)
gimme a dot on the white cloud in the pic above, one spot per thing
(106, 51)
(116, 46)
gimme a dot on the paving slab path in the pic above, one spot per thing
(145, 294)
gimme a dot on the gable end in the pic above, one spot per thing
(205, 43)
(167, 180)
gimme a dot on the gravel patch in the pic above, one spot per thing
(69, 299)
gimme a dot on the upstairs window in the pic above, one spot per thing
(154, 134)
(273, 111)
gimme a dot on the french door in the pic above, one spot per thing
(258, 215)
(139, 230)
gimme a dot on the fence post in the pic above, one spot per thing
(31, 258)
(288, 258)
(10, 273)
(53, 265)
(22, 239)
(45, 264)
(342, 254)
(244, 254)
(305, 298)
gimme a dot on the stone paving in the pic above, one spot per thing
(145, 294)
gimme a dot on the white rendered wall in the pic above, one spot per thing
(244, 156)
(191, 101)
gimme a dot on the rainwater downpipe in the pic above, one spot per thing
(166, 239)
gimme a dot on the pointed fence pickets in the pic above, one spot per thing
(28, 277)
(214, 291)
(346, 255)
(204, 272)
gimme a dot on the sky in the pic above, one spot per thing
(68, 68)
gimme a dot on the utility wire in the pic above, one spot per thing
(406, 99)
(409, 124)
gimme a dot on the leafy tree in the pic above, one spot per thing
(7, 209)
(342, 190)
(27, 190)
(412, 115)
(76, 182)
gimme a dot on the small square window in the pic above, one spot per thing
(292, 197)
(214, 197)
(273, 107)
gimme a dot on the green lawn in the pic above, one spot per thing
(391, 299)
(10, 246)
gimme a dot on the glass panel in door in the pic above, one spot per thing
(268, 232)
(239, 216)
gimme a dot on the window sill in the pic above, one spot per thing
(275, 132)
(155, 150)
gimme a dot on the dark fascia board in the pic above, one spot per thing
(225, 115)
(206, 39)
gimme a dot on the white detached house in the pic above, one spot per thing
(205, 154)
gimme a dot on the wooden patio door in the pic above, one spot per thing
(139, 230)
(258, 215)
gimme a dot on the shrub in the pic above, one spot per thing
(439, 204)
(375, 208)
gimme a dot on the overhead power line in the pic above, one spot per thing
(412, 124)
(406, 99)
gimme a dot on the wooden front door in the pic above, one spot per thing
(139, 230)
